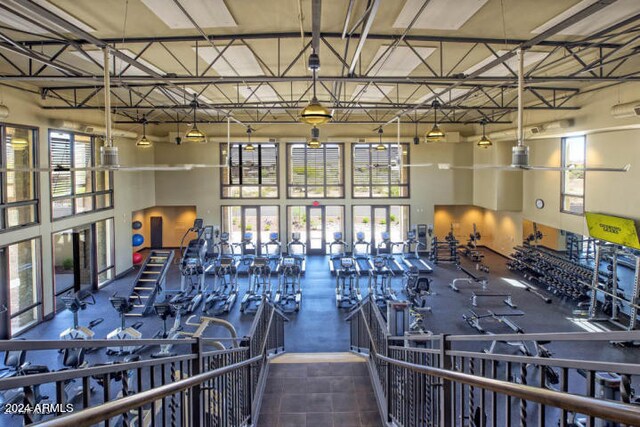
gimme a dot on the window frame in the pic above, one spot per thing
(38, 305)
(260, 185)
(341, 167)
(35, 138)
(72, 180)
(111, 236)
(370, 185)
(563, 163)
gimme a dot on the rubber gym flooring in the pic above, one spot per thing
(320, 326)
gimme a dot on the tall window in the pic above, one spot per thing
(19, 190)
(21, 274)
(253, 174)
(574, 153)
(377, 173)
(105, 256)
(77, 191)
(315, 173)
(258, 220)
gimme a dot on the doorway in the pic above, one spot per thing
(259, 220)
(74, 258)
(316, 225)
(373, 220)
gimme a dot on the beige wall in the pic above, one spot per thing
(133, 190)
(176, 220)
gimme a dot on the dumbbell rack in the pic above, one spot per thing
(558, 274)
(445, 252)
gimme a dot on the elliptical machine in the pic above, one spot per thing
(225, 288)
(192, 268)
(335, 256)
(74, 302)
(347, 284)
(273, 251)
(298, 251)
(123, 305)
(248, 252)
(289, 293)
(259, 286)
(380, 283)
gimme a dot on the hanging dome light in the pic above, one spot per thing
(314, 142)
(4, 111)
(435, 134)
(194, 134)
(144, 141)
(19, 143)
(484, 142)
(314, 113)
(249, 147)
(380, 146)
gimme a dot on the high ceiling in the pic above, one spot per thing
(379, 59)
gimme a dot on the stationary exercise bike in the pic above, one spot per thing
(165, 310)
(347, 284)
(225, 287)
(289, 293)
(380, 283)
(123, 305)
(74, 302)
(417, 287)
(259, 286)
(15, 365)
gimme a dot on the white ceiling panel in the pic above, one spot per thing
(439, 14)
(241, 58)
(401, 62)
(501, 70)
(264, 93)
(120, 65)
(24, 25)
(372, 93)
(206, 13)
(606, 17)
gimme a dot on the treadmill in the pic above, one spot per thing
(385, 250)
(361, 254)
(336, 255)
(410, 254)
(248, 253)
(297, 250)
(272, 250)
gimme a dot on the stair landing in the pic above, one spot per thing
(319, 389)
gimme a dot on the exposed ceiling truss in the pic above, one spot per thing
(605, 58)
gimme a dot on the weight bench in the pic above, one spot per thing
(508, 301)
(454, 284)
(479, 279)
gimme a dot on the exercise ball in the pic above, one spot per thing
(137, 239)
(136, 225)
(137, 258)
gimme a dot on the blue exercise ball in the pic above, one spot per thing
(137, 239)
(137, 225)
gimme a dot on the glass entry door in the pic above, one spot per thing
(316, 225)
(377, 219)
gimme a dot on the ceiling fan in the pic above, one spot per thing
(520, 152)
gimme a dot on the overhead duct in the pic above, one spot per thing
(529, 131)
(622, 111)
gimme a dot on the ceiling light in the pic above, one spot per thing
(315, 113)
(144, 141)
(249, 147)
(380, 146)
(484, 141)
(19, 143)
(314, 142)
(195, 134)
(435, 134)
(4, 111)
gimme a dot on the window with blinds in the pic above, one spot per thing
(77, 191)
(315, 173)
(19, 196)
(378, 173)
(252, 174)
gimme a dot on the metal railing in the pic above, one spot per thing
(197, 386)
(443, 380)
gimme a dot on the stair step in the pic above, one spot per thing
(138, 305)
(344, 357)
(143, 288)
(147, 280)
(150, 272)
(134, 314)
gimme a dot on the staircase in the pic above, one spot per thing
(150, 282)
(319, 389)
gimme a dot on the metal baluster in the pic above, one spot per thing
(173, 405)
(542, 408)
(471, 389)
(523, 402)
(507, 405)
(564, 386)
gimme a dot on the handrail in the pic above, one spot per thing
(90, 416)
(11, 345)
(609, 410)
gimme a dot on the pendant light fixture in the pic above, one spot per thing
(249, 147)
(314, 113)
(195, 134)
(435, 134)
(144, 141)
(484, 141)
(314, 143)
(380, 146)
(19, 143)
